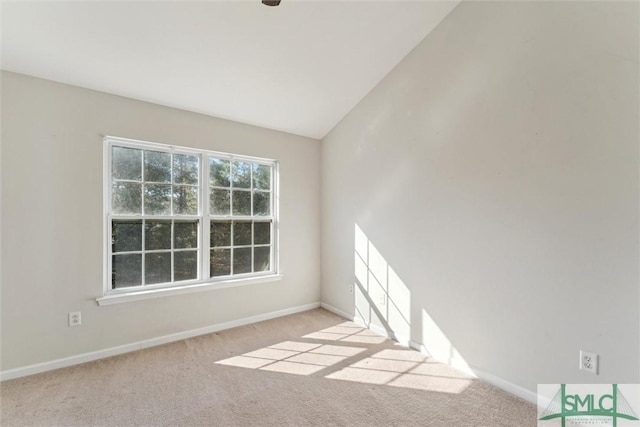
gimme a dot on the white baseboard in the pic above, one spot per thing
(113, 351)
(359, 321)
(382, 331)
(485, 376)
(507, 386)
(337, 311)
(419, 347)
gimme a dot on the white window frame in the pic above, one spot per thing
(204, 218)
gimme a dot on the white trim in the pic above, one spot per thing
(375, 328)
(382, 331)
(485, 376)
(203, 217)
(113, 351)
(337, 311)
(505, 385)
(167, 147)
(358, 321)
(106, 206)
(419, 347)
(116, 298)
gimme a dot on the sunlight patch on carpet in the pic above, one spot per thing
(404, 368)
(396, 367)
(294, 357)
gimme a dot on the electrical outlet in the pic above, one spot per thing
(350, 288)
(75, 318)
(382, 299)
(589, 362)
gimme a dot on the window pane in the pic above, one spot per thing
(185, 235)
(261, 203)
(220, 202)
(241, 202)
(241, 174)
(261, 259)
(185, 200)
(185, 169)
(262, 233)
(241, 233)
(157, 199)
(126, 198)
(219, 172)
(126, 270)
(157, 166)
(261, 177)
(220, 262)
(157, 268)
(186, 265)
(157, 235)
(126, 236)
(220, 233)
(157, 218)
(242, 260)
(126, 163)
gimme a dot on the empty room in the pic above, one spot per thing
(320, 213)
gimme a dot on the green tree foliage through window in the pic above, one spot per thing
(160, 200)
(240, 194)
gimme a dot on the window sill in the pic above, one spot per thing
(163, 292)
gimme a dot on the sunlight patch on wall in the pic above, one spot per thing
(437, 344)
(381, 297)
(383, 300)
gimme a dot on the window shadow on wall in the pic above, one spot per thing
(383, 302)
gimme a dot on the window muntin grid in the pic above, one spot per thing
(150, 185)
(240, 194)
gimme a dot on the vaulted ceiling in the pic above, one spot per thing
(299, 67)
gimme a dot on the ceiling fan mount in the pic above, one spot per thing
(271, 2)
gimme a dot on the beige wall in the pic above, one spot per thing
(493, 175)
(52, 239)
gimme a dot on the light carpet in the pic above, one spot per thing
(307, 369)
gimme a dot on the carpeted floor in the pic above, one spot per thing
(307, 369)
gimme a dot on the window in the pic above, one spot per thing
(178, 216)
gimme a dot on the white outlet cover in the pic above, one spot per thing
(588, 362)
(75, 318)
